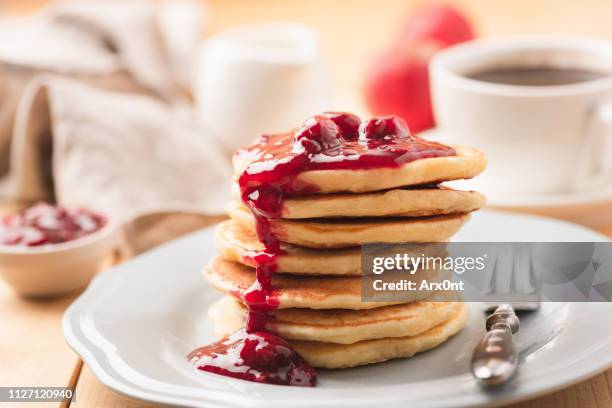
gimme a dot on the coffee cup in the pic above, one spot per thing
(540, 109)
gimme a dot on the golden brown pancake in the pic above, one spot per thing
(346, 326)
(236, 243)
(409, 202)
(331, 355)
(314, 292)
(335, 355)
(468, 163)
(342, 233)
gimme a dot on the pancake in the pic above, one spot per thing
(334, 355)
(235, 244)
(342, 233)
(468, 163)
(390, 203)
(331, 355)
(407, 202)
(314, 292)
(346, 326)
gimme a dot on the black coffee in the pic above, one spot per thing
(537, 76)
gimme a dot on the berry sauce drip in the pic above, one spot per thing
(332, 140)
(260, 357)
(44, 224)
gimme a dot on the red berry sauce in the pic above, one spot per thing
(44, 224)
(259, 356)
(332, 140)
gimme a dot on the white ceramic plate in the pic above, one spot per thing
(136, 323)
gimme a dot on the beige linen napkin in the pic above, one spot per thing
(92, 110)
(121, 153)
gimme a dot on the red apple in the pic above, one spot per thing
(441, 23)
(397, 81)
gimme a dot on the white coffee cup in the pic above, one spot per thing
(547, 139)
(259, 78)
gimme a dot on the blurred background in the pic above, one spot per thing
(187, 82)
(353, 31)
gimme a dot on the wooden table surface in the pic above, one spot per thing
(32, 349)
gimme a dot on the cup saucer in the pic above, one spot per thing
(590, 208)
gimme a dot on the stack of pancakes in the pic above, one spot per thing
(317, 282)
